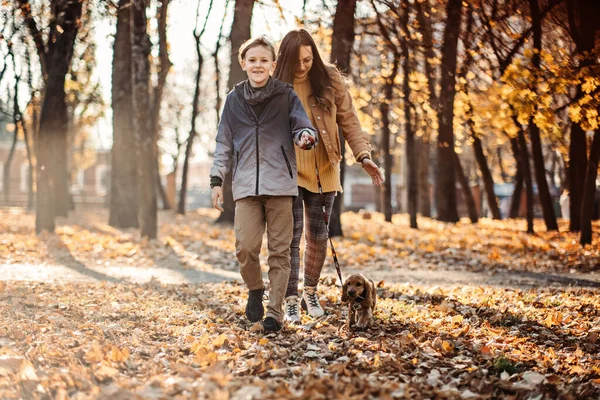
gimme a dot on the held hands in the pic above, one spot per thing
(307, 141)
(217, 194)
(371, 168)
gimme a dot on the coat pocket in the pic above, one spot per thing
(287, 162)
(237, 163)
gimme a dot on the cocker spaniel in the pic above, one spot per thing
(359, 292)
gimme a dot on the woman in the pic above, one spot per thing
(325, 97)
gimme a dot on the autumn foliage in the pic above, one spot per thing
(65, 339)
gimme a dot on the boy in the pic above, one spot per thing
(261, 120)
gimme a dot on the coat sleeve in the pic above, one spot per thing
(347, 119)
(299, 121)
(222, 158)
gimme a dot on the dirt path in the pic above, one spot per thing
(192, 249)
(176, 275)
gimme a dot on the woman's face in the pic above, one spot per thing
(305, 61)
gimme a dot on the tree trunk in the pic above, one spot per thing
(589, 191)
(29, 141)
(8, 163)
(466, 189)
(424, 200)
(217, 65)
(193, 133)
(30, 192)
(343, 35)
(157, 94)
(486, 174)
(164, 199)
(184, 172)
(540, 175)
(341, 47)
(140, 51)
(528, 182)
(52, 190)
(577, 171)
(503, 173)
(411, 155)
(16, 118)
(424, 19)
(240, 32)
(123, 205)
(445, 178)
(534, 130)
(583, 25)
(384, 108)
(515, 201)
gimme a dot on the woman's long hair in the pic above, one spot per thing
(287, 61)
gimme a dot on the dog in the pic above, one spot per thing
(359, 292)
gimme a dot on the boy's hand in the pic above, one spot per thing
(307, 141)
(217, 194)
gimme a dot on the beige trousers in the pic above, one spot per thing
(251, 216)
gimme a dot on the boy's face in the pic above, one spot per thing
(258, 64)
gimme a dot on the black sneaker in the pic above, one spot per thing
(270, 324)
(254, 308)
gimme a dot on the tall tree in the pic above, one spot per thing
(123, 184)
(34, 104)
(196, 100)
(589, 191)
(55, 57)
(164, 65)
(524, 153)
(534, 130)
(217, 64)
(445, 177)
(240, 32)
(466, 189)
(582, 16)
(486, 174)
(342, 41)
(496, 25)
(424, 145)
(515, 201)
(385, 107)
(144, 135)
(411, 154)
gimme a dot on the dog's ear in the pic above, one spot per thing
(345, 292)
(373, 295)
(369, 291)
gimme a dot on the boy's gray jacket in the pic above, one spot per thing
(261, 150)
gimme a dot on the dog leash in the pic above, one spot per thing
(326, 219)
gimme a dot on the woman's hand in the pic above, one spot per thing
(371, 168)
(217, 194)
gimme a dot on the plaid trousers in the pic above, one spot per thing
(308, 210)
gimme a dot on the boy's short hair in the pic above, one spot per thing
(254, 42)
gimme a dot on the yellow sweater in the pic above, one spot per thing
(307, 177)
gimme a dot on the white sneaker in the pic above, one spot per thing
(311, 302)
(292, 313)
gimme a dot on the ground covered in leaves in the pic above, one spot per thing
(192, 341)
(124, 340)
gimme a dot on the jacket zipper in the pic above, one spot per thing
(253, 114)
(289, 166)
(255, 118)
(257, 159)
